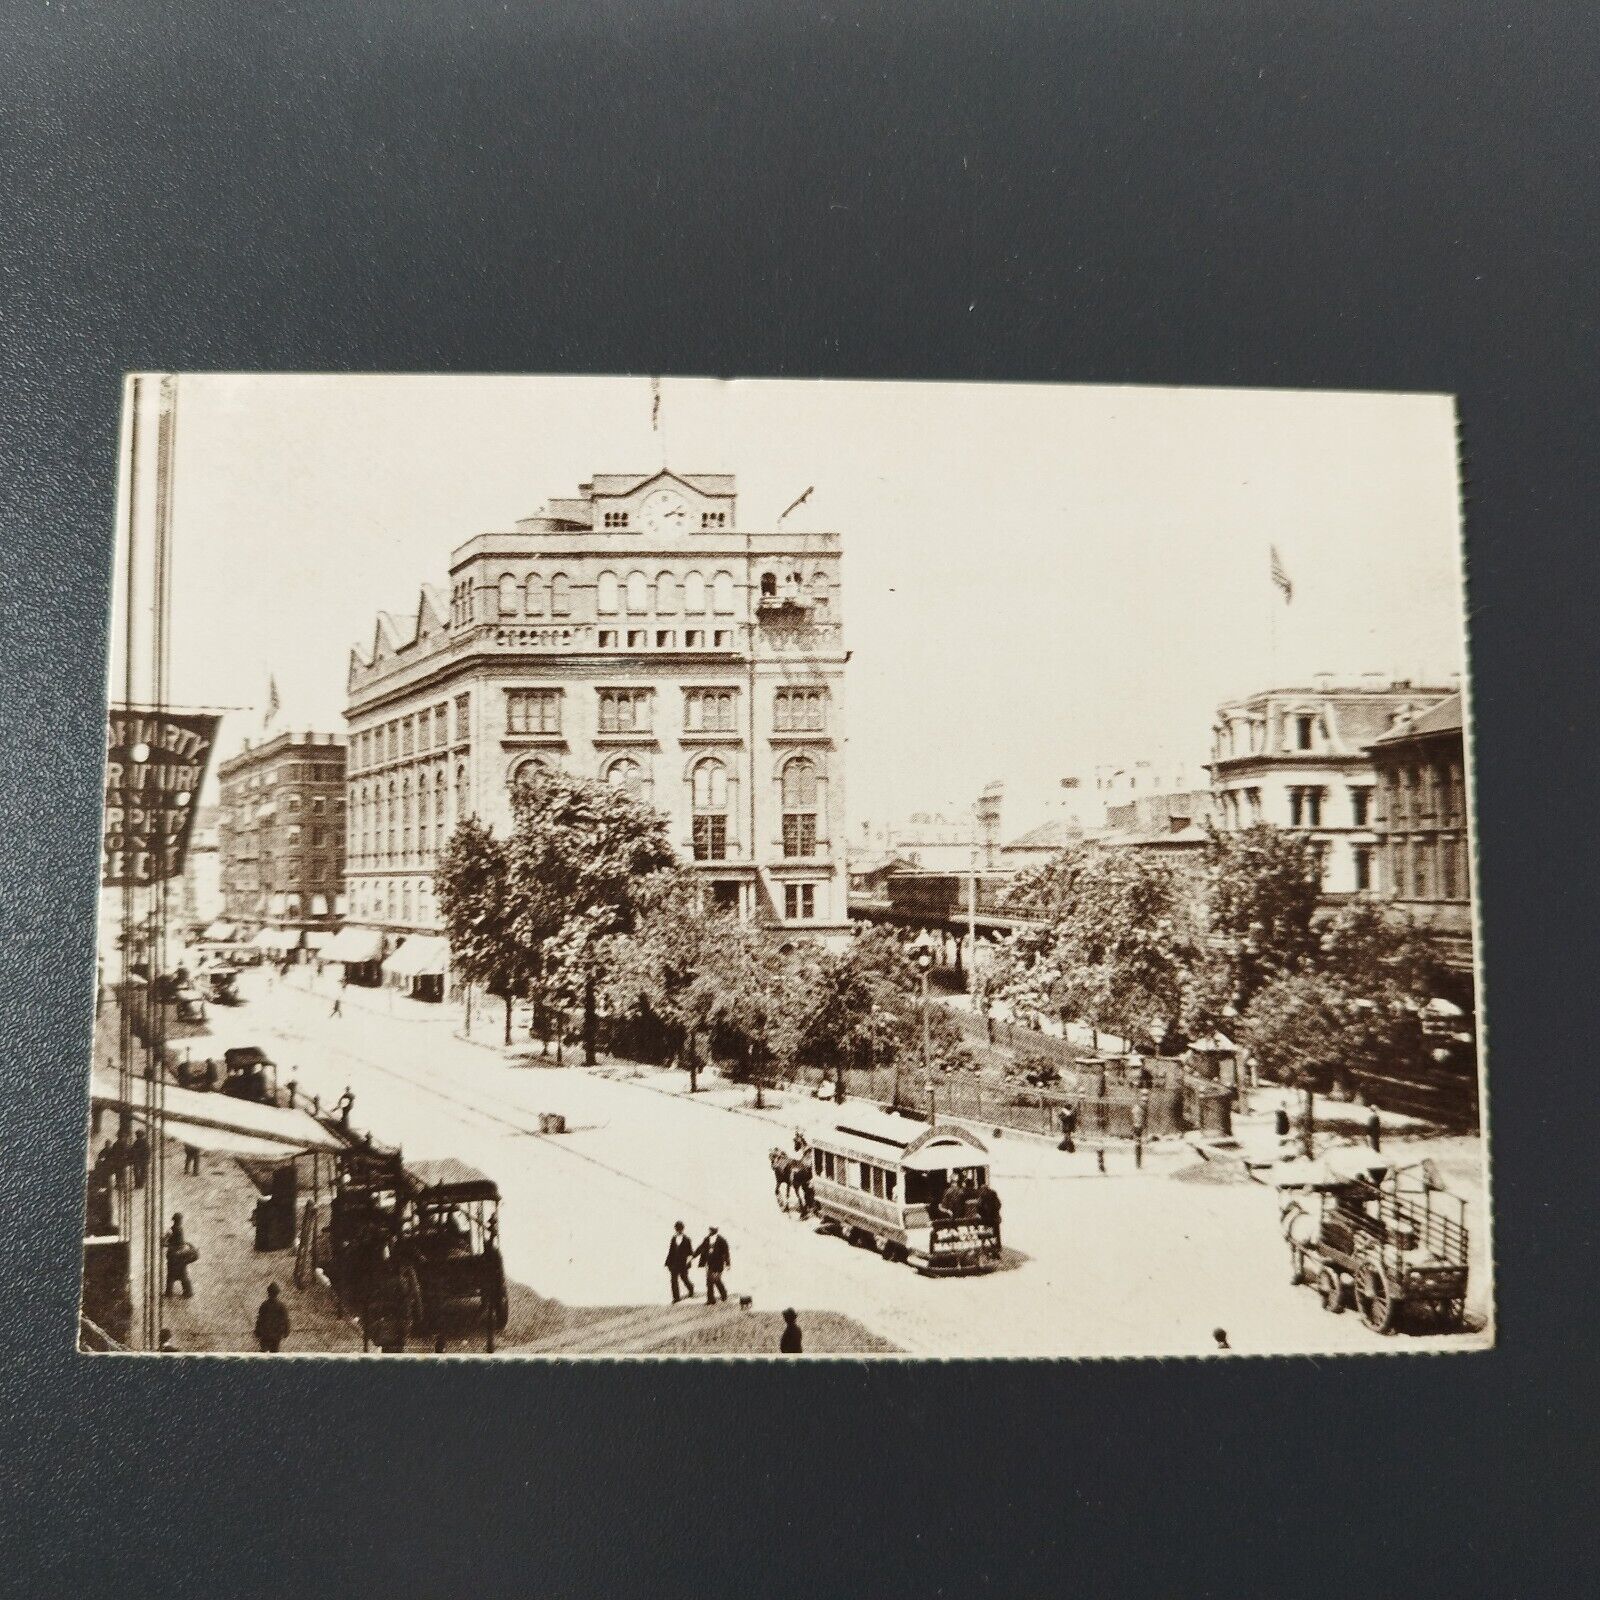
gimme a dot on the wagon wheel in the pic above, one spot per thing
(1375, 1298)
(305, 1255)
(416, 1308)
(496, 1298)
(1297, 1264)
(1331, 1290)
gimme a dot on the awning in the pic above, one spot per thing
(354, 945)
(219, 1122)
(220, 932)
(420, 956)
(317, 941)
(263, 938)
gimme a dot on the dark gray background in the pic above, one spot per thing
(1366, 195)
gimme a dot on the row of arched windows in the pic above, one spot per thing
(666, 595)
(402, 902)
(636, 592)
(533, 597)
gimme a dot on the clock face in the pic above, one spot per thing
(664, 512)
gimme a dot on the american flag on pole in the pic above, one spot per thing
(272, 701)
(655, 404)
(1280, 576)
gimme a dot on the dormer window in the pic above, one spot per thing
(615, 519)
(713, 519)
(769, 586)
(1303, 727)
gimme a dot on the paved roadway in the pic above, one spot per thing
(1125, 1264)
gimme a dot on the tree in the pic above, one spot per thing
(743, 997)
(849, 1003)
(472, 884)
(1262, 889)
(1119, 937)
(579, 854)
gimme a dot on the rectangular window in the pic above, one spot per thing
(1363, 860)
(709, 710)
(1296, 807)
(799, 834)
(1302, 733)
(710, 838)
(408, 738)
(1361, 806)
(799, 901)
(624, 711)
(1314, 808)
(713, 519)
(462, 703)
(616, 519)
(533, 711)
(638, 639)
(722, 639)
(666, 639)
(695, 639)
(608, 638)
(799, 710)
(1447, 869)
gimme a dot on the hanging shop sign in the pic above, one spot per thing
(155, 764)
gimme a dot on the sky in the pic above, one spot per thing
(1037, 580)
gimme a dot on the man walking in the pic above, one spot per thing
(715, 1256)
(180, 1256)
(338, 1001)
(680, 1251)
(272, 1322)
(191, 1160)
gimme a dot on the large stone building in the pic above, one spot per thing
(1298, 758)
(636, 633)
(1422, 824)
(280, 837)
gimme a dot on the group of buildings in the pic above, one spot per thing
(638, 633)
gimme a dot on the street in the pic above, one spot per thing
(1118, 1264)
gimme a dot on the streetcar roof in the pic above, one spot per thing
(901, 1141)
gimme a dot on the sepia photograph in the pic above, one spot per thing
(679, 867)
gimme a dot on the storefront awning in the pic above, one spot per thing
(354, 946)
(220, 932)
(421, 956)
(217, 1121)
(317, 941)
(263, 938)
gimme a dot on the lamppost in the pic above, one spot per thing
(924, 961)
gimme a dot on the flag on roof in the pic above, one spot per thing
(272, 701)
(1280, 576)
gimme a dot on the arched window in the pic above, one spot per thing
(438, 808)
(722, 592)
(800, 807)
(820, 593)
(638, 592)
(424, 818)
(694, 593)
(509, 597)
(533, 592)
(528, 773)
(405, 815)
(666, 594)
(626, 774)
(560, 596)
(389, 827)
(405, 902)
(606, 593)
(769, 586)
(461, 791)
(389, 902)
(709, 789)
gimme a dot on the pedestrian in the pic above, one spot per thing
(680, 1251)
(989, 1211)
(1221, 1337)
(715, 1256)
(1068, 1117)
(168, 1345)
(345, 1105)
(139, 1158)
(272, 1322)
(181, 1255)
(1374, 1129)
(191, 1160)
(789, 1342)
(338, 1002)
(211, 1076)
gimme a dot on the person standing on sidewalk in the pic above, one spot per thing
(790, 1340)
(191, 1160)
(680, 1251)
(272, 1322)
(715, 1256)
(139, 1158)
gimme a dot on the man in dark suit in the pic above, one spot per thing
(716, 1258)
(680, 1251)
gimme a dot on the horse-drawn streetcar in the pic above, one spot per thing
(915, 1193)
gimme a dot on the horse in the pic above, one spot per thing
(791, 1180)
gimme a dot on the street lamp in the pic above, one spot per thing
(923, 957)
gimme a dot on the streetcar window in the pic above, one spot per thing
(889, 1181)
(923, 1187)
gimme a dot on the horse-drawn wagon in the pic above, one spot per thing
(1389, 1239)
